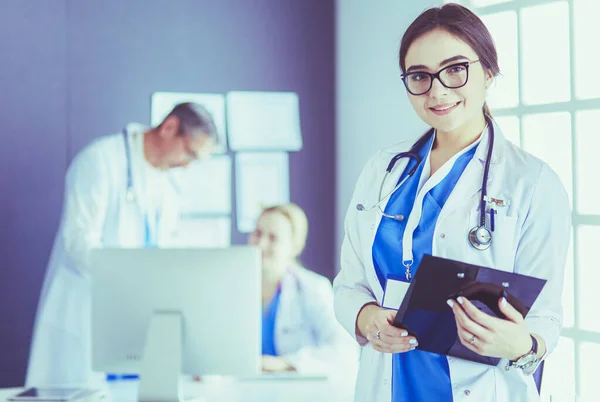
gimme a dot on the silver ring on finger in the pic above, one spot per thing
(472, 340)
(378, 334)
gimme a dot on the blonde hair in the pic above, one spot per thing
(297, 218)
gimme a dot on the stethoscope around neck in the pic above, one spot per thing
(129, 193)
(480, 236)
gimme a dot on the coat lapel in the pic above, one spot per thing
(287, 317)
(471, 180)
(375, 215)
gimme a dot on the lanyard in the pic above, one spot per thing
(426, 183)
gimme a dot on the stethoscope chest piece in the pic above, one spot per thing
(480, 237)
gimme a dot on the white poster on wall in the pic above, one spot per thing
(204, 187)
(203, 233)
(163, 102)
(262, 180)
(263, 121)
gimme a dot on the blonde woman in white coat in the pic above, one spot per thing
(300, 332)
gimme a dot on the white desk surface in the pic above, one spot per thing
(231, 390)
(263, 391)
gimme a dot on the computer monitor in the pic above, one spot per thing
(165, 312)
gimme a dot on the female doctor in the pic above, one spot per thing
(118, 193)
(299, 332)
(433, 202)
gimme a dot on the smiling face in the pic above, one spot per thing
(447, 109)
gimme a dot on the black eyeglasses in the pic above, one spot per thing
(453, 76)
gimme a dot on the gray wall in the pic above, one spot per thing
(75, 70)
(33, 157)
(372, 109)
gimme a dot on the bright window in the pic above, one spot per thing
(544, 38)
(547, 101)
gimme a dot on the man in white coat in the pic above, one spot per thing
(118, 193)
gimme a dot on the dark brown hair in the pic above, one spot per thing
(461, 23)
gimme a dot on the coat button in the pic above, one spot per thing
(467, 392)
(385, 382)
(443, 235)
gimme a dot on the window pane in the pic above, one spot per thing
(588, 144)
(483, 3)
(588, 277)
(545, 53)
(510, 128)
(548, 136)
(558, 379)
(568, 296)
(587, 32)
(504, 93)
(589, 356)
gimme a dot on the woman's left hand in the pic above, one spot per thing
(491, 336)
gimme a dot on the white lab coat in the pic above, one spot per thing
(531, 237)
(95, 214)
(307, 333)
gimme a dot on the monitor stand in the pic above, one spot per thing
(160, 373)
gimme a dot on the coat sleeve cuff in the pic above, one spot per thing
(549, 330)
(545, 328)
(348, 305)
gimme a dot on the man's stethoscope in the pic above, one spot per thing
(129, 195)
(151, 229)
(480, 236)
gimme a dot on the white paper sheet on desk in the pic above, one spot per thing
(163, 102)
(262, 180)
(264, 121)
(203, 233)
(204, 187)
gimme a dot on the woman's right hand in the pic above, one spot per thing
(375, 324)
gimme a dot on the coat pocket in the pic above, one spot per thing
(501, 253)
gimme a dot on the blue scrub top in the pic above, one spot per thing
(416, 375)
(268, 325)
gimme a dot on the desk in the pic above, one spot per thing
(230, 390)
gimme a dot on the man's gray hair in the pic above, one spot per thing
(194, 117)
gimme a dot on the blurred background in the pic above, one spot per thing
(74, 70)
